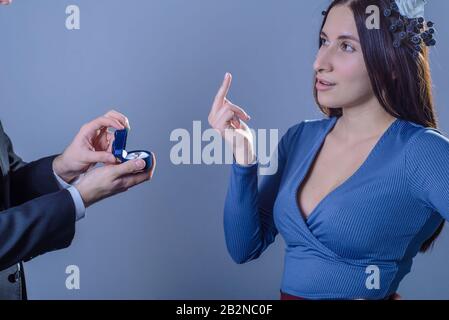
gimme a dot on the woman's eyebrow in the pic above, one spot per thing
(343, 37)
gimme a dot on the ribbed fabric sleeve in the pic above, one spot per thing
(428, 170)
(248, 212)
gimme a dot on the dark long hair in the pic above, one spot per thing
(401, 82)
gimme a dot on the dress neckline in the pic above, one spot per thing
(318, 145)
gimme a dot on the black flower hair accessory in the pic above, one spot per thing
(408, 26)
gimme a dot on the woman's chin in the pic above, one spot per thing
(326, 103)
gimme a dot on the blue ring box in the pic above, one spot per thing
(119, 150)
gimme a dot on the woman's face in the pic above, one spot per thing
(340, 61)
(5, 1)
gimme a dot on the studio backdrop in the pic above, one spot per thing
(160, 62)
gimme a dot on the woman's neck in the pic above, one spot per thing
(362, 122)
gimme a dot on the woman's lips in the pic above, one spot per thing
(323, 86)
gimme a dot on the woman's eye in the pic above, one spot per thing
(347, 47)
(322, 41)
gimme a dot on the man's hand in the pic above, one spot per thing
(90, 146)
(108, 180)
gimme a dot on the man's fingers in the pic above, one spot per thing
(103, 121)
(137, 177)
(100, 141)
(222, 92)
(104, 141)
(128, 167)
(132, 180)
(100, 156)
(110, 141)
(118, 116)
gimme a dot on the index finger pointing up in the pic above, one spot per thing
(222, 92)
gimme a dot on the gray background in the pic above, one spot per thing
(160, 62)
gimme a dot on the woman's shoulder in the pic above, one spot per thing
(418, 132)
(423, 141)
(305, 131)
(310, 126)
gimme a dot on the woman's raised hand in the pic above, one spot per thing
(228, 119)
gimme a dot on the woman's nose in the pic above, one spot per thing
(323, 60)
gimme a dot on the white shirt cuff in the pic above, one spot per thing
(80, 209)
(79, 203)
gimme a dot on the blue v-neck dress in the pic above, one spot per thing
(360, 240)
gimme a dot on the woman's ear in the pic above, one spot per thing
(394, 75)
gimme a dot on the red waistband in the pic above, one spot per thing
(286, 296)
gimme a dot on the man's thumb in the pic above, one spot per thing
(129, 167)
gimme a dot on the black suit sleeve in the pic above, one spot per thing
(38, 226)
(40, 217)
(29, 180)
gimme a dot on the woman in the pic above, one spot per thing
(360, 192)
